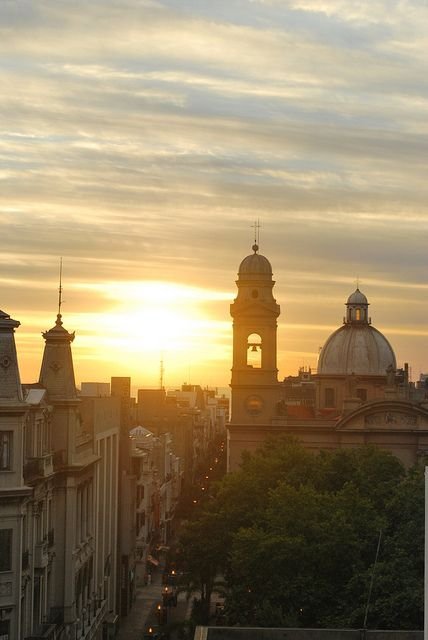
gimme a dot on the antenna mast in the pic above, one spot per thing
(162, 371)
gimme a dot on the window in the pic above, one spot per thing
(362, 394)
(4, 628)
(357, 314)
(5, 450)
(329, 398)
(5, 549)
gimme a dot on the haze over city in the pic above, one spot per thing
(140, 140)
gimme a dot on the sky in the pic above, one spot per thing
(141, 139)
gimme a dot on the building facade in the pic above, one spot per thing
(358, 396)
(54, 476)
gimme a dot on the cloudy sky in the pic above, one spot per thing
(140, 139)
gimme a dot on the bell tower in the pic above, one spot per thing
(254, 383)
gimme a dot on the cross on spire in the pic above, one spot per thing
(256, 227)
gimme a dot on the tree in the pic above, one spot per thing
(294, 534)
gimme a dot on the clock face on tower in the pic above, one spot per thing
(254, 405)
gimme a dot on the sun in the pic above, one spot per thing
(148, 320)
(157, 315)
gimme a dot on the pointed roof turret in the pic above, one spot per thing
(57, 371)
(10, 383)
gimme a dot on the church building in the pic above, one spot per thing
(360, 395)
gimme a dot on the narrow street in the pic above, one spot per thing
(144, 610)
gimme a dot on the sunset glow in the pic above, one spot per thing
(141, 140)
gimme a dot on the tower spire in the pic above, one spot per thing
(57, 372)
(256, 227)
(60, 287)
(59, 316)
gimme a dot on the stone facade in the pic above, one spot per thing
(360, 396)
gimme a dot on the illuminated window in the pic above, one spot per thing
(254, 351)
(329, 398)
(357, 314)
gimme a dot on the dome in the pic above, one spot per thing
(356, 348)
(255, 264)
(357, 298)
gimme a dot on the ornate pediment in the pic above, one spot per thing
(390, 418)
(386, 415)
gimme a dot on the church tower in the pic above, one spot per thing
(254, 383)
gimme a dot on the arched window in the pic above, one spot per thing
(329, 398)
(357, 314)
(254, 351)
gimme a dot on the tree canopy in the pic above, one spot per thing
(294, 536)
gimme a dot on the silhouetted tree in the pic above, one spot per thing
(294, 535)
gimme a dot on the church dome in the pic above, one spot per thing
(362, 350)
(357, 347)
(357, 298)
(255, 264)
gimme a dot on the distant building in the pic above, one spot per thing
(95, 389)
(158, 476)
(121, 387)
(357, 396)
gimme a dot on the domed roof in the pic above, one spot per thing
(357, 347)
(357, 298)
(255, 264)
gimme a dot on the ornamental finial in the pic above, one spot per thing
(256, 227)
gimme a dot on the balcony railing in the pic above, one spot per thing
(91, 619)
(52, 628)
(46, 632)
(83, 438)
(40, 467)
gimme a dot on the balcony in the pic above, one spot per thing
(51, 629)
(36, 468)
(91, 619)
(83, 438)
(41, 557)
